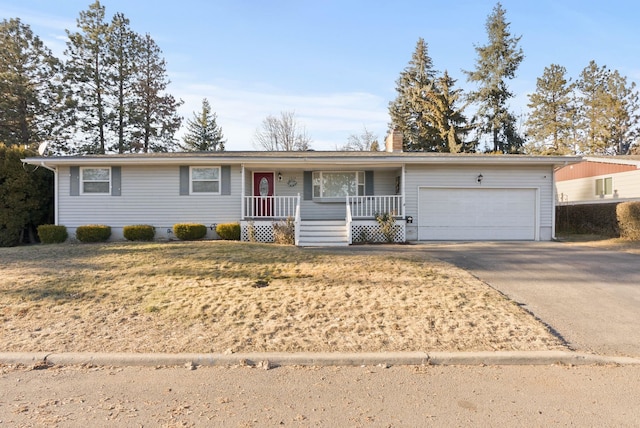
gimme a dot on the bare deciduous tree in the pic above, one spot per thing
(282, 134)
(365, 142)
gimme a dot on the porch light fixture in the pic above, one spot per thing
(279, 176)
(409, 219)
(480, 177)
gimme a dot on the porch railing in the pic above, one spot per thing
(280, 207)
(369, 206)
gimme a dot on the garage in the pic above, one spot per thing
(477, 214)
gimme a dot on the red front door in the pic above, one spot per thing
(263, 192)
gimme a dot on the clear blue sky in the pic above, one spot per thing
(335, 62)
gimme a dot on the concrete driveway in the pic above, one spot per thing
(589, 296)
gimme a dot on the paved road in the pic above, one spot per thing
(420, 396)
(589, 296)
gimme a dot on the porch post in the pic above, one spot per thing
(242, 208)
(402, 191)
(297, 222)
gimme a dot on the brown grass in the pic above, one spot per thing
(598, 241)
(239, 297)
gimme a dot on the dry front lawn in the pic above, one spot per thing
(215, 296)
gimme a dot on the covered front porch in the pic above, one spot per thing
(311, 200)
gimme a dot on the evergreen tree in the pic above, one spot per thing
(203, 133)
(447, 118)
(625, 113)
(157, 118)
(31, 90)
(592, 122)
(497, 62)
(88, 68)
(550, 125)
(410, 111)
(123, 46)
(609, 111)
(26, 197)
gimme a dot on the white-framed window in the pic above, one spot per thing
(205, 179)
(604, 186)
(338, 184)
(95, 180)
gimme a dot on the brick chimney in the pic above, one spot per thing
(393, 142)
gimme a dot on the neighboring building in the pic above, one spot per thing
(597, 180)
(332, 196)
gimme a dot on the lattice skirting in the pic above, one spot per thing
(257, 231)
(361, 232)
(369, 231)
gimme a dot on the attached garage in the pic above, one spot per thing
(477, 213)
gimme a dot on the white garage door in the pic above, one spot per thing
(476, 214)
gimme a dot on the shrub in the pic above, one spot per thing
(251, 231)
(52, 233)
(387, 223)
(628, 214)
(229, 231)
(189, 231)
(26, 196)
(139, 232)
(600, 219)
(284, 232)
(93, 233)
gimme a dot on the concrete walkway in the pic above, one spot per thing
(589, 296)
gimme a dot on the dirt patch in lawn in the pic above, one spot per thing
(218, 296)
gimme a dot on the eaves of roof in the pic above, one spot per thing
(621, 160)
(302, 159)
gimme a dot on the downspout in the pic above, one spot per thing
(553, 202)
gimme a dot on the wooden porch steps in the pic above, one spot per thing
(323, 233)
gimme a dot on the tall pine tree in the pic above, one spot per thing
(123, 49)
(32, 96)
(203, 133)
(609, 111)
(88, 70)
(550, 125)
(410, 110)
(157, 118)
(497, 61)
(447, 117)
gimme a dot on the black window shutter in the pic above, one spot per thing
(184, 180)
(368, 183)
(225, 177)
(74, 185)
(307, 185)
(116, 180)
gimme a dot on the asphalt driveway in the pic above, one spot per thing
(589, 296)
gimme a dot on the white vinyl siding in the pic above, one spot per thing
(95, 181)
(624, 185)
(464, 177)
(150, 195)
